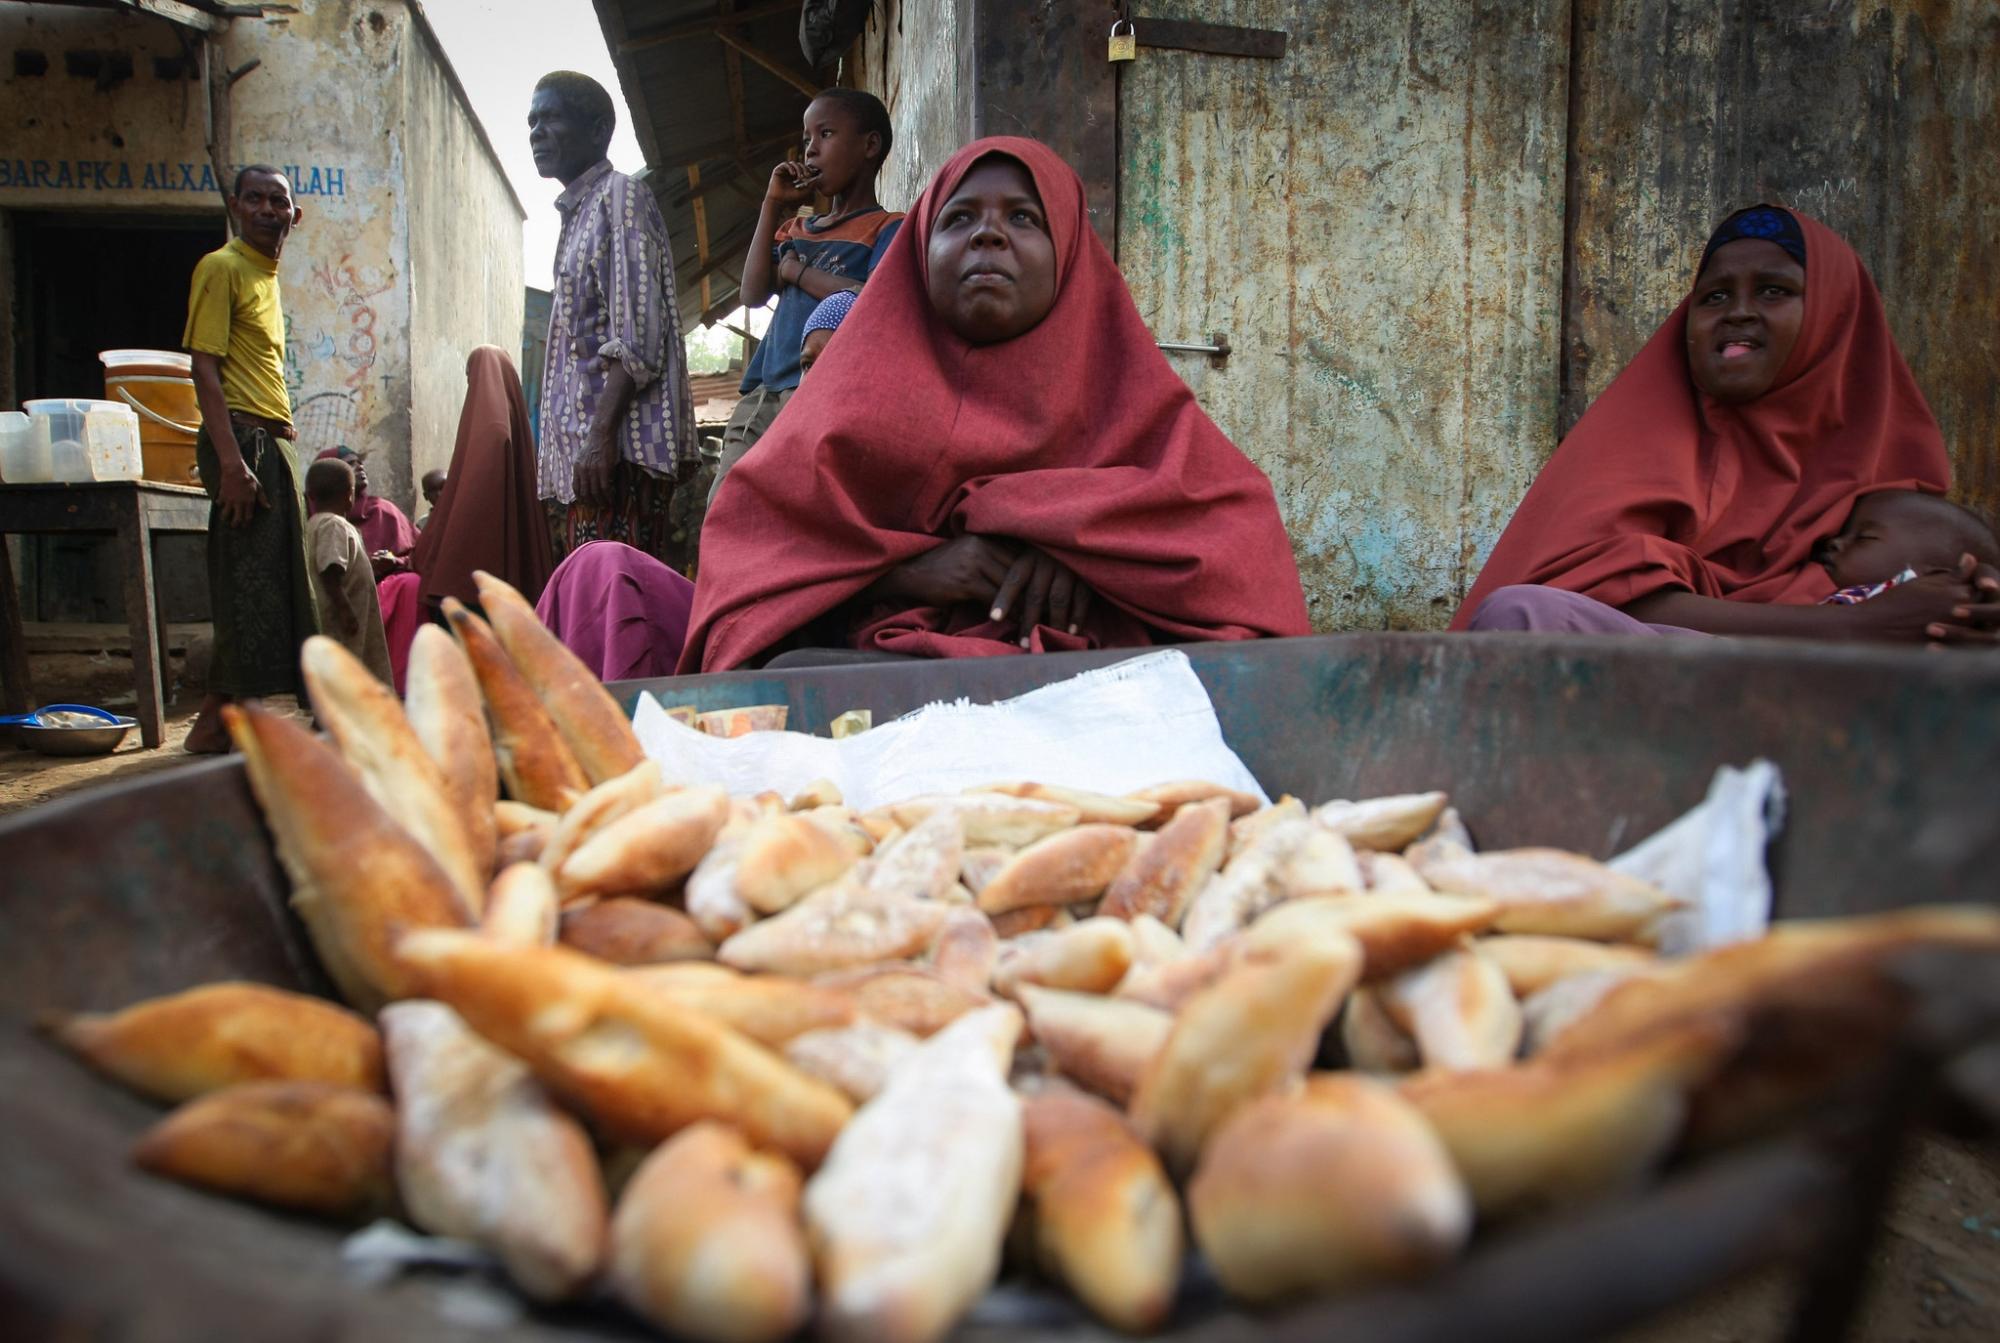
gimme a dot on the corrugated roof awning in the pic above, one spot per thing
(716, 89)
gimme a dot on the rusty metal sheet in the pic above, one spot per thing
(1375, 221)
(1877, 116)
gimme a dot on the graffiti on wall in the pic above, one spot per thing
(332, 349)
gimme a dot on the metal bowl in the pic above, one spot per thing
(101, 740)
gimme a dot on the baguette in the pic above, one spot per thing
(1063, 869)
(1104, 1216)
(200, 1040)
(309, 1146)
(521, 907)
(595, 729)
(359, 879)
(442, 701)
(1163, 876)
(1251, 1032)
(599, 807)
(1101, 1044)
(907, 1216)
(1339, 1186)
(366, 722)
(639, 1065)
(707, 1244)
(484, 1155)
(536, 764)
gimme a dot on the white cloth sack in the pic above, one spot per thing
(1713, 859)
(1136, 723)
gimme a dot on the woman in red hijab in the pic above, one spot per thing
(992, 458)
(1696, 492)
(489, 517)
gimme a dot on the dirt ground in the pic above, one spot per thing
(105, 680)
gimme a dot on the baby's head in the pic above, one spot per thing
(1893, 530)
(330, 487)
(433, 487)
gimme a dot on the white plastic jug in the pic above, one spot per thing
(29, 459)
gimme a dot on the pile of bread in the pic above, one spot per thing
(749, 1062)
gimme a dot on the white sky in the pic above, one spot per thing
(500, 48)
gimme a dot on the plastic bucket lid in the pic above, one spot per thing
(70, 405)
(150, 360)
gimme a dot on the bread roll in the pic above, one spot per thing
(1396, 931)
(536, 764)
(712, 900)
(365, 720)
(1532, 963)
(707, 1243)
(990, 818)
(1458, 1009)
(599, 807)
(626, 931)
(441, 697)
(966, 950)
(856, 1059)
(770, 1009)
(648, 849)
(1062, 869)
(839, 927)
(1091, 807)
(1372, 1039)
(1250, 1033)
(1171, 797)
(913, 998)
(1261, 874)
(1104, 1216)
(922, 863)
(484, 1155)
(595, 729)
(1247, 830)
(1390, 874)
(639, 1065)
(1382, 823)
(1101, 1044)
(1033, 919)
(907, 1216)
(1090, 956)
(1162, 877)
(1552, 892)
(1167, 985)
(309, 1146)
(1551, 1131)
(220, 1035)
(784, 858)
(1338, 1186)
(359, 879)
(521, 907)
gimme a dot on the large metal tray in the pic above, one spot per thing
(170, 881)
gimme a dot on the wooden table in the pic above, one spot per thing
(133, 511)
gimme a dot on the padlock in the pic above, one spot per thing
(1125, 45)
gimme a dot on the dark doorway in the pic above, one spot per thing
(89, 282)
(85, 282)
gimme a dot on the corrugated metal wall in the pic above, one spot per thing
(1378, 223)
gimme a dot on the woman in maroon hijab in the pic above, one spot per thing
(992, 458)
(1698, 490)
(489, 517)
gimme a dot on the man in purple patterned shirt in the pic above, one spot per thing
(617, 420)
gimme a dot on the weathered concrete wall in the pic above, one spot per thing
(914, 57)
(1376, 223)
(1881, 119)
(464, 246)
(344, 97)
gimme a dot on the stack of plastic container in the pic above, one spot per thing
(70, 440)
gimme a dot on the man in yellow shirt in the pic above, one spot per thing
(259, 585)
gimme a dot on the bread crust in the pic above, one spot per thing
(839, 927)
(1382, 823)
(1396, 930)
(1532, 962)
(1063, 869)
(536, 764)
(1550, 891)
(1090, 956)
(770, 1009)
(441, 697)
(1102, 1044)
(596, 730)
(188, 1044)
(1162, 877)
(1458, 1009)
(626, 931)
(647, 850)
(310, 1146)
